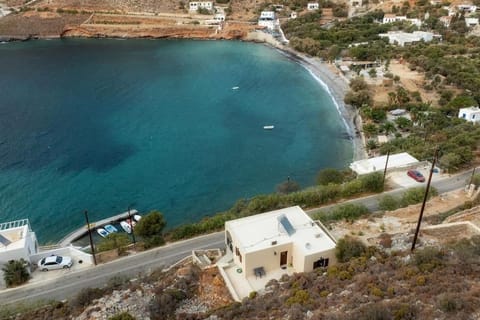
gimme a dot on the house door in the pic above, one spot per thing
(283, 258)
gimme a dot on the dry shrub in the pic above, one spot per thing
(385, 240)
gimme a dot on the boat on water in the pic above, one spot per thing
(110, 228)
(235, 88)
(137, 217)
(126, 226)
(102, 232)
(270, 127)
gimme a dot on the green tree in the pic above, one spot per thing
(403, 123)
(15, 273)
(329, 175)
(114, 241)
(358, 84)
(348, 248)
(150, 227)
(388, 127)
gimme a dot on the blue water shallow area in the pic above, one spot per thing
(103, 124)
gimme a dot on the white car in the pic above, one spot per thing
(55, 262)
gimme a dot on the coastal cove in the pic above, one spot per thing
(156, 124)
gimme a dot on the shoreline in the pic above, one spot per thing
(333, 82)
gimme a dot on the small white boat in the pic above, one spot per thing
(137, 217)
(126, 226)
(235, 88)
(102, 232)
(268, 127)
(110, 228)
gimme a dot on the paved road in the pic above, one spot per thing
(442, 185)
(70, 284)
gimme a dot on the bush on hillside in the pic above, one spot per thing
(388, 203)
(348, 248)
(150, 227)
(330, 175)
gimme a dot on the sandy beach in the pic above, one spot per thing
(331, 80)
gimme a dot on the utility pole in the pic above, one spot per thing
(424, 200)
(133, 233)
(385, 171)
(471, 178)
(90, 236)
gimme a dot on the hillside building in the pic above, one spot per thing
(266, 246)
(195, 5)
(471, 114)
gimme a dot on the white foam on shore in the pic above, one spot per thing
(330, 94)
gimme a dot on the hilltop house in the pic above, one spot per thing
(195, 5)
(312, 6)
(268, 19)
(471, 22)
(268, 245)
(402, 39)
(471, 114)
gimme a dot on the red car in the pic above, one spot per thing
(416, 175)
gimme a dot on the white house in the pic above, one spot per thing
(194, 6)
(467, 8)
(471, 114)
(266, 245)
(402, 39)
(375, 164)
(311, 6)
(390, 17)
(293, 15)
(471, 22)
(268, 19)
(17, 241)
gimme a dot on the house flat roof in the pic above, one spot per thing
(378, 163)
(258, 232)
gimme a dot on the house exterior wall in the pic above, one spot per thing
(13, 254)
(310, 259)
(268, 258)
(312, 6)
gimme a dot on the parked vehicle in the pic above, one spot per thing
(54, 262)
(416, 175)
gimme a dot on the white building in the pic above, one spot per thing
(390, 18)
(194, 6)
(311, 6)
(375, 164)
(17, 241)
(402, 39)
(268, 19)
(293, 15)
(471, 114)
(270, 244)
(471, 22)
(467, 8)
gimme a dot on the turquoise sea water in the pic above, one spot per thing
(103, 124)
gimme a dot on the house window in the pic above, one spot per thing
(240, 257)
(473, 116)
(321, 263)
(237, 252)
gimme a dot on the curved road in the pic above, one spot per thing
(70, 284)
